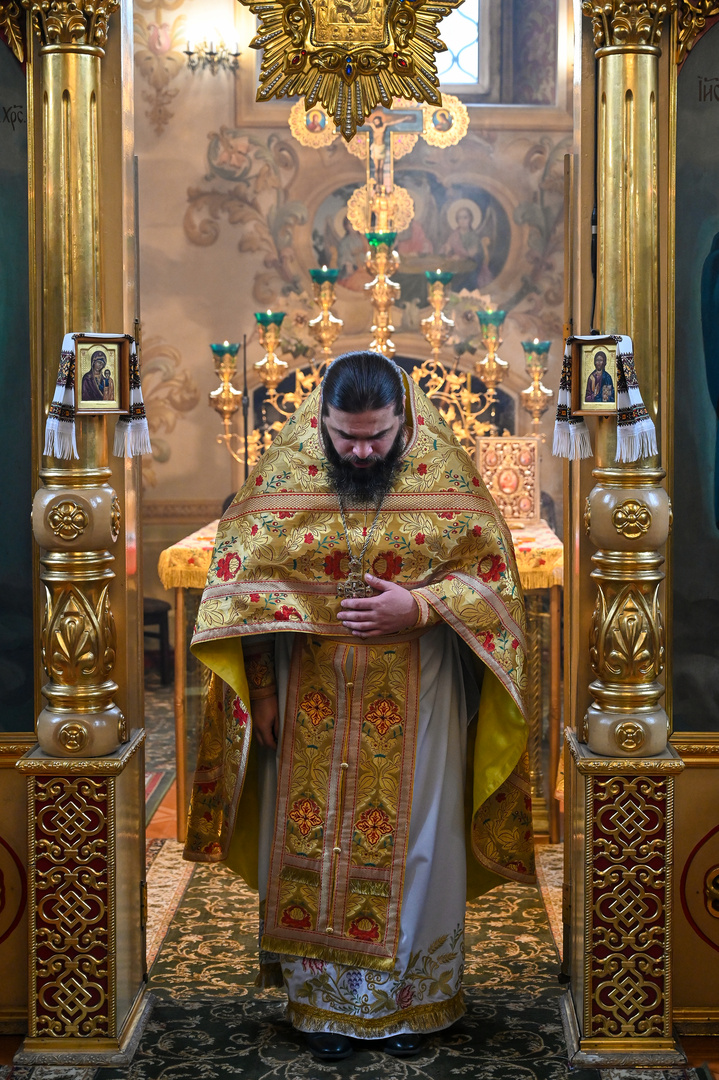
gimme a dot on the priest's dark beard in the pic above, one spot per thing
(368, 485)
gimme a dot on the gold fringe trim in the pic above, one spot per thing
(270, 975)
(430, 1017)
(299, 876)
(368, 887)
(330, 954)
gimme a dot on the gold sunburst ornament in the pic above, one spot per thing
(350, 55)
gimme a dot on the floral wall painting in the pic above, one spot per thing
(249, 182)
(159, 58)
(169, 392)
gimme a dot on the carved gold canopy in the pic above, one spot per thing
(350, 55)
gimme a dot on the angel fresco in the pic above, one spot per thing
(472, 237)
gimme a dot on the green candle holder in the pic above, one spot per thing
(267, 318)
(444, 276)
(375, 239)
(320, 276)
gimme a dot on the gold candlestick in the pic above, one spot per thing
(325, 327)
(535, 399)
(382, 261)
(437, 327)
(226, 400)
(270, 368)
(492, 369)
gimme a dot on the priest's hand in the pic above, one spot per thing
(266, 721)
(391, 610)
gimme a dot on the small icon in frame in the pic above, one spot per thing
(594, 377)
(101, 374)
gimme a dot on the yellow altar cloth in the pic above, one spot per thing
(539, 552)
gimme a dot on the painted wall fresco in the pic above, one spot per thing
(234, 212)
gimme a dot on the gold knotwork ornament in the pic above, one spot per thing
(350, 55)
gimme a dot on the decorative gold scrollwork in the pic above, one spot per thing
(692, 21)
(629, 735)
(11, 26)
(79, 639)
(711, 891)
(70, 877)
(627, 23)
(68, 520)
(627, 635)
(632, 519)
(71, 22)
(627, 963)
(115, 517)
(587, 515)
(73, 737)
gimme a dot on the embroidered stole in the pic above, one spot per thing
(344, 800)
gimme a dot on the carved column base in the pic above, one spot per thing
(86, 886)
(619, 1011)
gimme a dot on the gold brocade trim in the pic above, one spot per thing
(300, 875)
(430, 1017)
(321, 951)
(368, 887)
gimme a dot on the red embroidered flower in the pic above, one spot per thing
(527, 802)
(374, 825)
(255, 597)
(311, 965)
(383, 714)
(286, 614)
(313, 470)
(422, 469)
(386, 565)
(253, 531)
(317, 706)
(309, 538)
(419, 538)
(491, 567)
(448, 514)
(515, 643)
(225, 567)
(450, 577)
(528, 834)
(487, 640)
(239, 712)
(364, 929)
(333, 565)
(207, 816)
(213, 848)
(313, 422)
(286, 513)
(306, 815)
(500, 796)
(207, 788)
(420, 419)
(475, 481)
(258, 480)
(477, 530)
(404, 997)
(296, 917)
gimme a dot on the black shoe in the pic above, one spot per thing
(328, 1046)
(404, 1045)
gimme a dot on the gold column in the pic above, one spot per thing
(85, 807)
(621, 771)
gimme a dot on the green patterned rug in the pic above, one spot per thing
(211, 1022)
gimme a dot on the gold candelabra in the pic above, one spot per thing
(536, 398)
(271, 369)
(382, 261)
(437, 327)
(325, 327)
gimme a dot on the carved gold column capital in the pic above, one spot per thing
(627, 25)
(11, 21)
(71, 24)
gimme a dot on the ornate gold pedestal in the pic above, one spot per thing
(618, 1010)
(86, 881)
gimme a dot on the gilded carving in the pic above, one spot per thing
(71, 22)
(692, 22)
(399, 209)
(349, 57)
(79, 639)
(630, 736)
(70, 880)
(11, 26)
(73, 737)
(115, 517)
(68, 520)
(711, 891)
(627, 24)
(627, 634)
(629, 882)
(587, 519)
(632, 519)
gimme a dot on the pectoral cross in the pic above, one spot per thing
(354, 587)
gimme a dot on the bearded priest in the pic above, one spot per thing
(363, 763)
